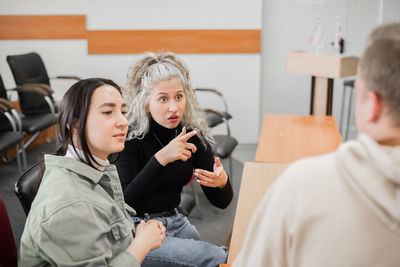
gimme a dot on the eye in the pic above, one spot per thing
(179, 96)
(124, 113)
(163, 99)
(108, 112)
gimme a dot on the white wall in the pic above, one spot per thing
(253, 84)
(236, 75)
(288, 26)
(390, 11)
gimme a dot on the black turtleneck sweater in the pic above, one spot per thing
(150, 187)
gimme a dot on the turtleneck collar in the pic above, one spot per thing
(71, 154)
(162, 133)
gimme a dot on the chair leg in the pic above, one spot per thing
(231, 169)
(18, 159)
(30, 141)
(22, 150)
(349, 116)
(342, 111)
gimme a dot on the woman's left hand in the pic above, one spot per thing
(218, 178)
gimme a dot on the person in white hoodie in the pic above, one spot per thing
(343, 208)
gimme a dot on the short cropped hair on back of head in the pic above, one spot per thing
(386, 31)
(379, 67)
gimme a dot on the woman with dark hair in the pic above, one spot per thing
(78, 217)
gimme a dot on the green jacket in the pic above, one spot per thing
(78, 218)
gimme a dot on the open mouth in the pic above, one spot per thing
(173, 118)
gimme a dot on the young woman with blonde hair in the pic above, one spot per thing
(168, 145)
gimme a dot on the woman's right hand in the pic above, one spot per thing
(151, 232)
(149, 236)
(177, 149)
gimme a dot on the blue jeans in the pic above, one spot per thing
(183, 246)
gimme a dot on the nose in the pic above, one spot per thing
(172, 106)
(122, 121)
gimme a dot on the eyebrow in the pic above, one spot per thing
(165, 93)
(111, 105)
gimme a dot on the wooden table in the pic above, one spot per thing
(286, 138)
(256, 179)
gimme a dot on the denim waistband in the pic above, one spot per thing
(166, 213)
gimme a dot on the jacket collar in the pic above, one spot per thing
(78, 167)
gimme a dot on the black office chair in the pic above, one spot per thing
(224, 143)
(10, 131)
(10, 138)
(27, 186)
(222, 147)
(215, 117)
(29, 124)
(34, 92)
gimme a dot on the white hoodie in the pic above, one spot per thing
(339, 209)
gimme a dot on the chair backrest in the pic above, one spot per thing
(3, 92)
(29, 68)
(8, 248)
(27, 185)
(4, 122)
(215, 117)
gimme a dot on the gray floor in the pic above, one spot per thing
(213, 224)
(8, 177)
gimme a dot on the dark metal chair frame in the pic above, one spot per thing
(12, 137)
(11, 130)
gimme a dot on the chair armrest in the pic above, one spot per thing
(3, 108)
(13, 116)
(219, 113)
(70, 77)
(215, 91)
(10, 114)
(43, 86)
(7, 105)
(41, 89)
(38, 88)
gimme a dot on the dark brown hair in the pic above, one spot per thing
(73, 114)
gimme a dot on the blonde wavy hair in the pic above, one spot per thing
(148, 71)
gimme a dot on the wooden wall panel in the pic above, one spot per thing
(28, 27)
(178, 41)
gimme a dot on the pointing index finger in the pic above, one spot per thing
(183, 132)
(188, 136)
